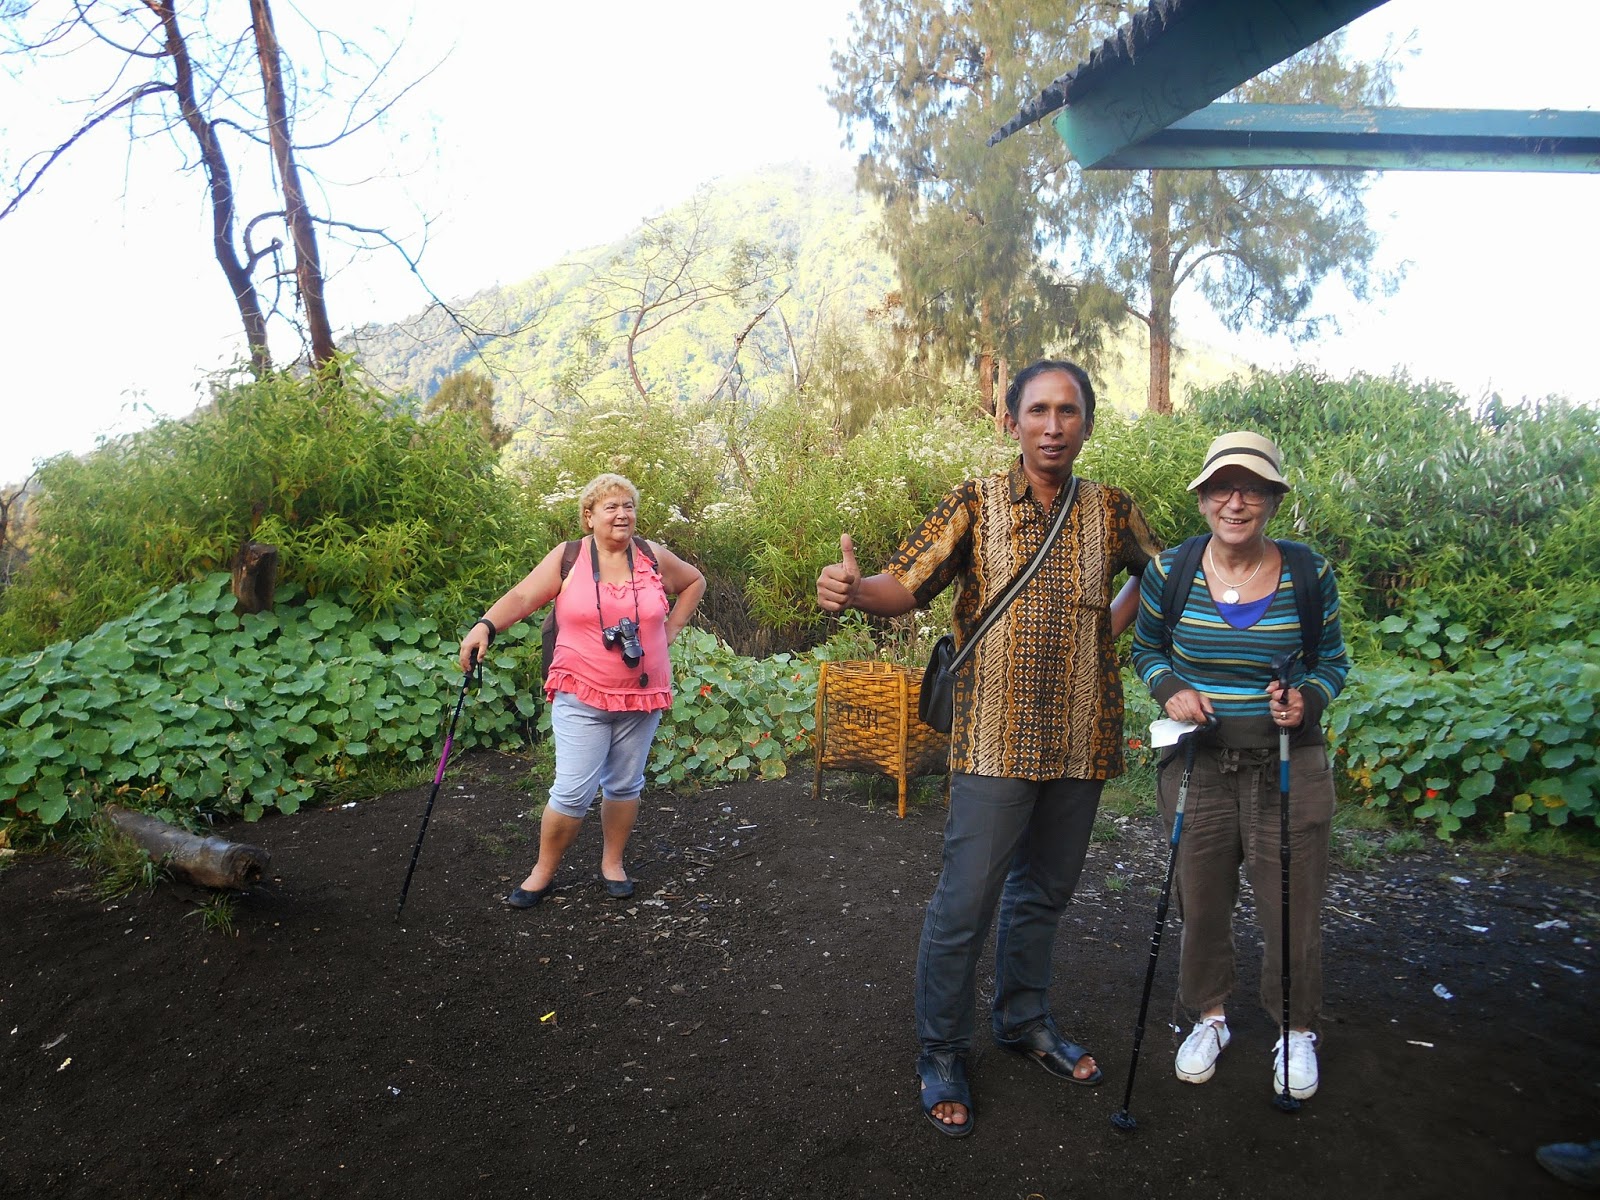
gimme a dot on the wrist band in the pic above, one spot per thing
(489, 625)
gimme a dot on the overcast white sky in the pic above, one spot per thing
(548, 130)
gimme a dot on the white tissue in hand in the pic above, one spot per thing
(1166, 731)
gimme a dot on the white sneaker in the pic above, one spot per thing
(1302, 1065)
(1197, 1057)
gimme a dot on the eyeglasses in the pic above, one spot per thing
(1251, 493)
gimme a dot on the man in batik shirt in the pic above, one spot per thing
(1036, 728)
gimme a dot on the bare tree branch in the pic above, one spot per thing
(133, 97)
(738, 344)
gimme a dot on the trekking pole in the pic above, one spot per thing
(1121, 1119)
(1280, 667)
(438, 778)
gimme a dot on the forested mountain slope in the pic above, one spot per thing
(806, 224)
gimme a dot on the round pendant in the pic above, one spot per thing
(1231, 596)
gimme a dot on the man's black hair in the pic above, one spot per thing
(1033, 370)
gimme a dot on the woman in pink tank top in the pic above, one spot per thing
(610, 677)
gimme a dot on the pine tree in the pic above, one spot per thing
(969, 226)
(981, 235)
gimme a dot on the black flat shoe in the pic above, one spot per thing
(1042, 1044)
(618, 889)
(525, 899)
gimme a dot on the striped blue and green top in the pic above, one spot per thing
(1234, 666)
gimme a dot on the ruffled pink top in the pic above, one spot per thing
(582, 663)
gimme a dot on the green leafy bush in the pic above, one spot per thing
(1464, 538)
(732, 718)
(670, 457)
(1506, 729)
(185, 707)
(359, 499)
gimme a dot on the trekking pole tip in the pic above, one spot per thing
(1124, 1122)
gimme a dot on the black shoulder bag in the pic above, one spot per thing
(934, 704)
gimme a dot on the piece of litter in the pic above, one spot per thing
(352, 804)
(1442, 992)
(393, 1091)
(549, 1016)
(1424, 1045)
(1474, 928)
(1570, 967)
(1553, 923)
(1453, 878)
(65, 1063)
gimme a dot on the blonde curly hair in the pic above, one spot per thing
(598, 488)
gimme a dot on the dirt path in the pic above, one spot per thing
(743, 1026)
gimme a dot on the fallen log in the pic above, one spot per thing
(207, 861)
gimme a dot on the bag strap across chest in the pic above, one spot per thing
(1007, 594)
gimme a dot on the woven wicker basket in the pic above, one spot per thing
(867, 721)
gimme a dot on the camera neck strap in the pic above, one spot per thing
(1009, 593)
(594, 561)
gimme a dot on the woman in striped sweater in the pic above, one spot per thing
(1217, 659)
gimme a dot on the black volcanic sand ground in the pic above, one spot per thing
(743, 1027)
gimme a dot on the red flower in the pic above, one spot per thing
(1134, 743)
(705, 689)
(1432, 794)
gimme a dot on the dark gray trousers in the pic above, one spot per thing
(1019, 845)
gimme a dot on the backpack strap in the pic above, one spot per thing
(643, 547)
(1302, 580)
(1307, 598)
(547, 630)
(569, 555)
(1180, 579)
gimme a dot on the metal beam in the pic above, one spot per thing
(1317, 135)
(1204, 51)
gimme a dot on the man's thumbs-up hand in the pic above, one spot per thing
(836, 586)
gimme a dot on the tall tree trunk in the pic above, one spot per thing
(986, 359)
(1161, 289)
(631, 349)
(307, 264)
(219, 181)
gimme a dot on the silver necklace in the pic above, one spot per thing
(1231, 595)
